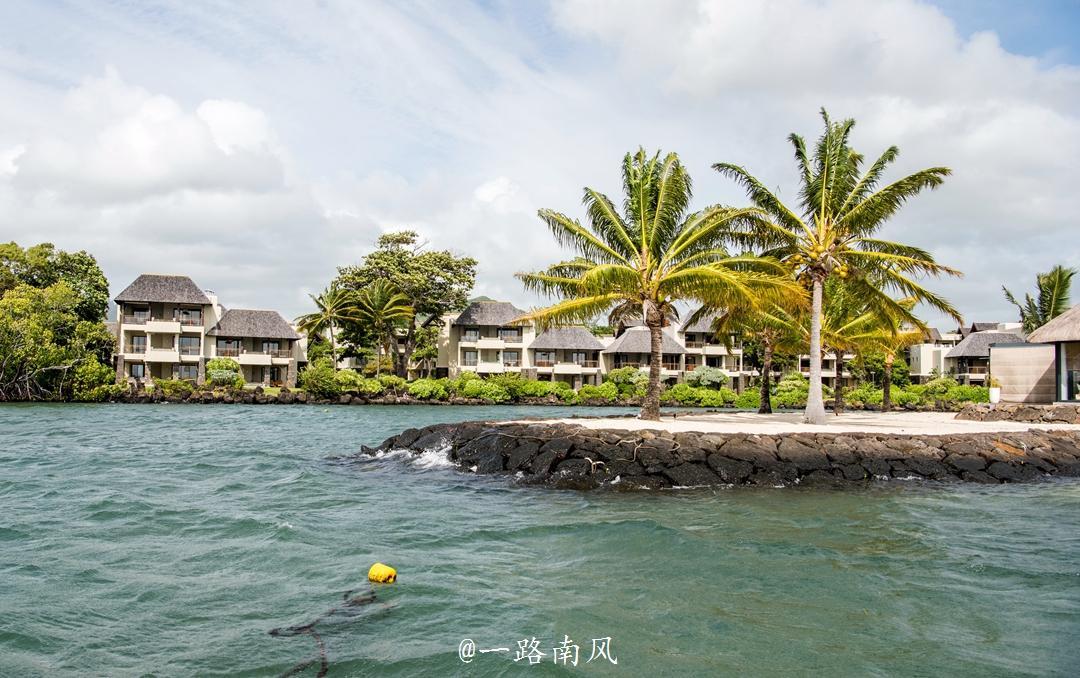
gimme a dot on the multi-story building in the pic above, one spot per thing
(168, 328)
(632, 348)
(484, 339)
(828, 369)
(703, 347)
(570, 354)
(926, 360)
(969, 361)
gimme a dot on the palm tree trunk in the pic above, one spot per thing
(886, 386)
(815, 404)
(333, 347)
(838, 384)
(765, 407)
(650, 409)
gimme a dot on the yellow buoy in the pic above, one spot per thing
(382, 574)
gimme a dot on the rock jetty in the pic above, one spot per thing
(570, 456)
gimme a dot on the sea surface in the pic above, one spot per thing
(168, 540)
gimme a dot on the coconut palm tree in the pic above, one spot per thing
(639, 261)
(776, 328)
(335, 307)
(1052, 290)
(384, 308)
(832, 231)
(891, 343)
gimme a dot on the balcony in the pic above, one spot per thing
(190, 352)
(254, 358)
(491, 368)
(279, 355)
(163, 326)
(671, 367)
(135, 319)
(155, 354)
(228, 352)
(134, 348)
(544, 363)
(490, 343)
(511, 363)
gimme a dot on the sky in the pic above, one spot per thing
(256, 148)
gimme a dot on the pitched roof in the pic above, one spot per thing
(933, 335)
(575, 338)
(244, 322)
(488, 313)
(1065, 327)
(703, 324)
(174, 289)
(637, 340)
(977, 344)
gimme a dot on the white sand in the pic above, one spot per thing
(910, 423)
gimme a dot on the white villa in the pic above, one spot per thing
(168, 328)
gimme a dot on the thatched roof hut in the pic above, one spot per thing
(1065, 327)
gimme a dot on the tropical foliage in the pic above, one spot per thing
(832, 232)
(384, 309)
(1051, 298)
(334, 307)
(640, 261)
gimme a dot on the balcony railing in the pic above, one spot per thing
(188, 321)
(469, 363)
(281, 353)
(588, 363)
(671, 366)
(136, 319)
(695, 344)
(190, 350)
(470, 336)
(511, 363)
(545, 363)
(135, 348)
(228, 352)
(975, 369)
(510, 338)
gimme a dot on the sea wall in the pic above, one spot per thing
(1022, 412)
(572, 456)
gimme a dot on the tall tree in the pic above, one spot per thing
(43, 265)
(335, 307)
(832, 231)
(640, 261)
(384, 308)
(435, 282)
(1052, 292)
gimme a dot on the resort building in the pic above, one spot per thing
(1062, 334)
(969, 361)
(703, 347)
(570, 354)
(484, 339)
(632, 348)
(926, 360)
(167, 328)
(828, 369)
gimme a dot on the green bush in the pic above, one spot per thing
(750, 399)
(176, 388)
(905, 396)
(378, 366)
(792, 391)
(351, 381)
(485, 390)
(606, 391)
(704, 376)
(683, 394)
(429, 389)
(967, 394)
(320, 380)
(457, 385)
(222, 364)
(866, 394)
(630, 382)
(938, 387)
(393, 383)
(91, 381)
(224, 378)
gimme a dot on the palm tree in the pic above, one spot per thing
(640, 261)
(335, 306)
(775, 328)
(384, 308)
(831, 233)
(1052, 289)
(891, 344)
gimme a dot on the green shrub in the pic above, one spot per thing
(457, 385)
(229, 364)
(750, 399)
(91, 381)
(704, 376)
(728, 395)
(176, 388)
(866, 394)
(606, 391)
(485, 390)
(792, 391)
(904, 396)
(378, 366)
(683, 394)
(938, 387)
(630, 382)
(320, 380)
(393, 383)
(429, 389)
(967, 394)
(348, 380)
(225, 378)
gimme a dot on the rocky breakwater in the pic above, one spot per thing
(1061, 413)
(571, 456)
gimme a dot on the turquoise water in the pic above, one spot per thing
(169, 539)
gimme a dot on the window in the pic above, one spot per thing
(188, 316)
(578, 357)
(190, 346)
(190, 372)
(275, 374)
(137, 370)
(545, 358)
(228, 347)
(511, 359)
(470, 334)
(468, 358)
(138, 344)
(270, 346)
(510, 335)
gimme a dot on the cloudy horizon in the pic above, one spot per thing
(258, 151)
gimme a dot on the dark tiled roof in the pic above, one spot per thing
(575, 338)
(174, 289)
(497, 313)
(977, 344)
(1065, 327)
(242, 322)
(704, 324)
(637, 340)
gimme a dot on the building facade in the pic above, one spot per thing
(168, 328)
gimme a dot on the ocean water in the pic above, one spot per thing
(168, 540)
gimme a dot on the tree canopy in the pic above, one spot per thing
(43, 265)
(1051, 298)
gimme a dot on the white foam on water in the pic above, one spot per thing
(428, 459)
(392, 454)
